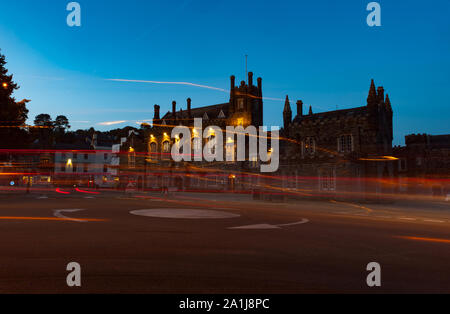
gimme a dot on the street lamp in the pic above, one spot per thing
(5, 85)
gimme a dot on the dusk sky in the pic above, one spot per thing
(321, 52)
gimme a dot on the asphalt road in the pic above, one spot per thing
(303, 247)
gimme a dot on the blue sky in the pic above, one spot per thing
(322, 52)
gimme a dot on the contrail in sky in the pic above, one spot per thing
(170, 83)
(184, 83)
(112, 122)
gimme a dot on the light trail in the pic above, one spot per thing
(86, 192)
(436, 240)
(50, 219)
(58, 190)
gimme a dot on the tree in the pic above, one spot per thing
(12, 114)
(44, 131)
(61, 124)
(43, 120)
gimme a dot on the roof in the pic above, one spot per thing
(358, 111)
(213, 112)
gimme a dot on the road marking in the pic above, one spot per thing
(407, 218)
(425, 239)
(57, 213)
(181, 213)
(303, 221)
(268, 226)
(42, 197)
(255, 227)
(367, 209)
(433, 220)
(89, 197)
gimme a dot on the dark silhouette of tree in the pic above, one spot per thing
(12, 114)
(43, 132)
(43, 120)
(61, 124)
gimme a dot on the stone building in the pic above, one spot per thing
(336, 152)
(146, 158)
(424, 164)
(342, 152)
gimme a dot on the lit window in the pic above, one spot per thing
(153, 151)
(230, 150)
(166, 149)
(197, 144)
(309, 146)
(240, 104)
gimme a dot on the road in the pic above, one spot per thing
(220, 244)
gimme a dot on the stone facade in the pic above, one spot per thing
(338, 152)
(424, 164)
(334, 152)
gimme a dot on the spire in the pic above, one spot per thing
(310, 111)
(287, 113)
(287, 105)
(372, 98)
(388, 103)
(380, 93)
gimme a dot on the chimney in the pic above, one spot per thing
(250, 79)
(174, 109)
(189, 107)
(233, 81)
(157, 110)
(300, 108)
(260, 86)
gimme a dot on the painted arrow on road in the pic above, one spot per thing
(57, 213)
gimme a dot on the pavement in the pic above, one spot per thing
(219, 243)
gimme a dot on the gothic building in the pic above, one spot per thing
(344, 152)
(245, 108)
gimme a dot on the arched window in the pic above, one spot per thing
(153, 151)
(166, 150)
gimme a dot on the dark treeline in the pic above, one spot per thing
(46, 133)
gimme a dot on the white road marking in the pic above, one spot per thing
(89, 197)
(268, 226)
(260, 226)
(433, 220)
(407, 218)
(57, 213)
(42, 197)
(181, 213)
(303, 221)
